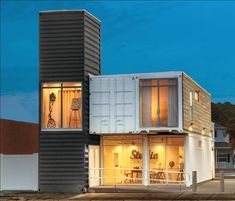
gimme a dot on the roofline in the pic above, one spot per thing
(65, 10)
(24, 122)
(197, 83)
(172, 73)
(163, 73)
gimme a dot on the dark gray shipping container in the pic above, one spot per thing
(69, 50)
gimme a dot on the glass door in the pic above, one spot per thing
(94, 164)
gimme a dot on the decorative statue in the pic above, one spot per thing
(51, 122)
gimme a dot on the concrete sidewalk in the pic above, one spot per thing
(120, 196)
(206, 187)
(206, 191)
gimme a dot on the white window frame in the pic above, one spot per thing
(172, 75)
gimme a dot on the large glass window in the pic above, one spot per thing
(61, 105)
(166, 159)
(158, 103)
(122, 160)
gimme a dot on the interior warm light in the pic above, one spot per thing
(57, 97)
(164, 106)
(196, 95)
(203, 131)
(51, 85)
(154, 106)
(72, 84)
(190, 128)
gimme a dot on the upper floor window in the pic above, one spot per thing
(158, 103)
(196, 95)
(191, 106)
(61, 105)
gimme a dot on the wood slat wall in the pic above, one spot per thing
(201, 109)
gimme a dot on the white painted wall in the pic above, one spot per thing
(19, 172)
(114, 102)
(200, 159)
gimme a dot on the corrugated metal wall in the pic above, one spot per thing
(69, 50)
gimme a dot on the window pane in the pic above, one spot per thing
(148, 104)
(72, 108)
(175, 163)
(172, 105)
(122, 160)
(163, 105)
(51, 107)
(163, 82)
(72, 84)
(51, 85)
(166, 161)
(157, 162)
(158, 103)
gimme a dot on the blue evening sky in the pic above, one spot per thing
(150, 36)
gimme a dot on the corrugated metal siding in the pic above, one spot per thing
(61, 46)
(63, 161)
(92, 45)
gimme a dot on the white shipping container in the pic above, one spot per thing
(114, 103)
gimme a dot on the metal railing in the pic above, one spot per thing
(131, 176)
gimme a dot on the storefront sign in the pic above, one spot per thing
(137, 155)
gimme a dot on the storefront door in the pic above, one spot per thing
(94, 163)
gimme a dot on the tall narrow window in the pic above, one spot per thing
(158, 103)
(61, 105)
(191, 105)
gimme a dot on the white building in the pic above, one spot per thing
(155, 128)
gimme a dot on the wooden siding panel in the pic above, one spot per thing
(201, 122)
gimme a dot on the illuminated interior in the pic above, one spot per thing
(158, 103)
(122, 160)
(61, 105)
(166, 159)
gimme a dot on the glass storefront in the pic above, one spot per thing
(123, 160)
(166, 159)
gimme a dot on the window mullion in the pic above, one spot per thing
(61, 106)
(158, 102)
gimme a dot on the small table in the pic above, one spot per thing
(137, 172)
